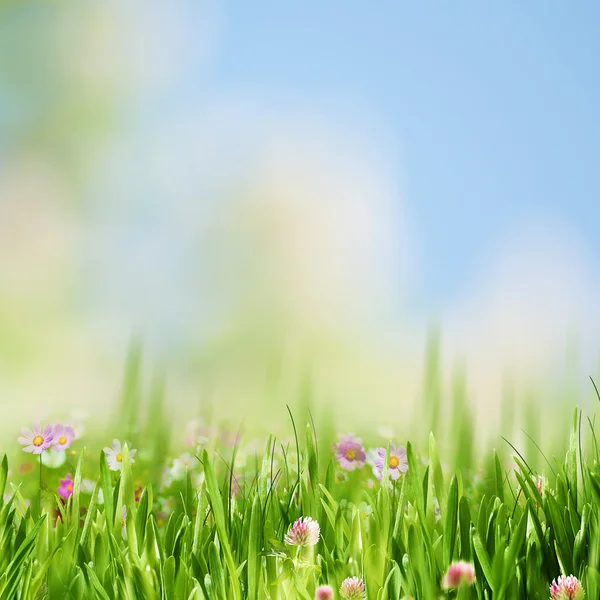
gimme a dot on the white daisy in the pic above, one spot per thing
(114, 456)
(186, 462)
(53, 460)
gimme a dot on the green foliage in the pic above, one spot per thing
(518, 529)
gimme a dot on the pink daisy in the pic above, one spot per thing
(63, 437)
(349, 452)
(398, 462)
(36, 440)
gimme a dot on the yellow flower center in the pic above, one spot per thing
(394, 462)
(62, 440)
(38, 440)
(119, 457)
(350, 454)
(69, 488)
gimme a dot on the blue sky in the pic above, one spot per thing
(492, 109)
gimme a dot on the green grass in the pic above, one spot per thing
(217, 532)
(216, 546)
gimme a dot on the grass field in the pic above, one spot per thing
(214, 513)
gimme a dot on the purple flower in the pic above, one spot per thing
(458, 573)
(353, 588)
(35, 440)
(324, 592)
(66, 487)
(349, 452)
(63, 437)
(567, 588)
(398, 462)
(304, 532)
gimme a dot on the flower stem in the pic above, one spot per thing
(40, 490)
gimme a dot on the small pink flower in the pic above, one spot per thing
(35, 440)
(304, 532)
(458, 573)
(66, 487)
(324, 592)
(353, 588)
(349, 452)
(567, 588)
(398, 462)
(63, 437)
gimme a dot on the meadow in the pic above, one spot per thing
(213, 513)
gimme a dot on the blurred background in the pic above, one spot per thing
(386, 201)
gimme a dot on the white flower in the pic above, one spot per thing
(436, 509)
(53, 460)
(197, 479)
(186, 462)
(114, 456)
(372, 456)
(201, 441)
(166, 478)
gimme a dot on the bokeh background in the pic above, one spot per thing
(267, 194)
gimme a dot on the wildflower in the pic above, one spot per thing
(230, 437)
(66, 487)
(349, 452)
(353, 588)
(87, 486)
(372, 456)
(566, 588)
(25, 468)
(53, 460)
(458, 573)
(166, 478)
(201, 441)
(324, 592)
(240, 460)
(437, 510)
(77, 422)
(114, 456)
(186, 462)
(365, 510)
(197, 479)
(63, 437)
(398, 462)
(124, 523)
(78, 428)
(35, 440)
(192, 431)
(137, 493)
(540, 484)
(304, 532)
